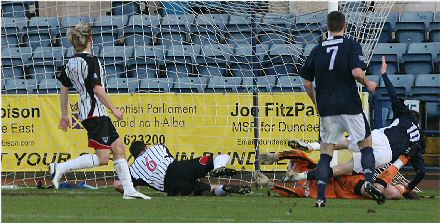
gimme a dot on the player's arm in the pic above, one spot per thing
(310, 89)
(398, 106)
(418, 164)
(66, 84)
(358, 67)
(307, 73)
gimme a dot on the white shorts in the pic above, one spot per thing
(332, 128)
(381, 149)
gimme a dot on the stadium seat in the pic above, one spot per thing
(213, 59)
(386, 34)
(11, 30)
(223, 84)
(114, 58)
(434, 28)
(174, 29)
(241, 60)
(309, 28)
(48, 86)
(122, 85)
(147, 61)
(40, 31)
(14, 60)
(392, 19)
(419, 59)
(288, 84)
(96, 50)
(393, 53)
(179, 60)
(14, 9)
(208, 28)
(126, 8)
(427, 86)
(264, 84)
(107, 29)
(402, 84)
(283, 59)
(45, 62)
(189, 84)
(141, 30)
(274, 29)
(308, 49)
(239, 29)
(412, 27)
(155, 85)
(20, 86)
(70, 21)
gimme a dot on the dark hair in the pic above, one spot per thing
(136, 148)
(335, 21)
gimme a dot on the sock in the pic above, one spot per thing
(388, 175)
(368, 163)
(313, 174)
(221, 161)
(315, 145)
(83, 162)
(323, 175)
(124, 176)
(402, 161)
(302, 176)
(218, 191)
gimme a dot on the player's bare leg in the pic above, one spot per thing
(123, 173)
(323, 172)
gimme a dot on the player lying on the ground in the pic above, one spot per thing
(155, 167)
(388, 143)
(345, 187)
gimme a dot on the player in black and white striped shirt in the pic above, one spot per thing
(155, 167)
(83, 71)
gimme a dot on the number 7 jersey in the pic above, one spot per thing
(152, 166)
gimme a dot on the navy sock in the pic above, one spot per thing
(323, 175)
(368, 162)
(313, 174)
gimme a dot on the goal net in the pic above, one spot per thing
(201, 77)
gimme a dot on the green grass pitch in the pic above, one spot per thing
(106, 205)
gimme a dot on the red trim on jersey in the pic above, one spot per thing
(204, 160)
(97, 145)
(90, 117)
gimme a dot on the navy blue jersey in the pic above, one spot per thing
(330, 64)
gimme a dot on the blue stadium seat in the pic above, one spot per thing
(107, 29)
(434, 28)
(141, 30)
(427, 86)
(412, 27)
(14, 60)
(213, 59)
(283, 59)
(274, 29)
(14, 9)
(96, 50)
(114, 58)
(126, 8)
(239, 29)
(386, 34)
(223, 84)
(309, 28)
(393, 53)
(179, 60)
(402, 84)
(48, 86)
(392, 19)
(289, 84)
(155, 85)
(45, 62)
(241, 60)
(122, 85)
(308, 49)
(438, 63)
(174, 29)
(147, 61)
(40, 31)
(20, 86)
(419, 59)
(264, 84)
(189, 84)
(11, 30)
(207, 28)
(70, 21)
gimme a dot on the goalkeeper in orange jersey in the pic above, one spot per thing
(344, 187)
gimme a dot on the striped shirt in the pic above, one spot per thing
(84, 71)
(152, 166)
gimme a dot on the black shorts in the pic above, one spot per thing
(182, 177)
(100, 131)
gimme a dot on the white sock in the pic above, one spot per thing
(218, 191)
(221, 161)
(315, 145)
(83, 162)
(124, 176)
(301, 176)
(398, 163)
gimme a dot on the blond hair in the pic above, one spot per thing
(79, 36)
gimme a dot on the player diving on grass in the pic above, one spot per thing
(343, 187)
(156, 168)
(84, 72)
(388, 143)
(335, 64)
